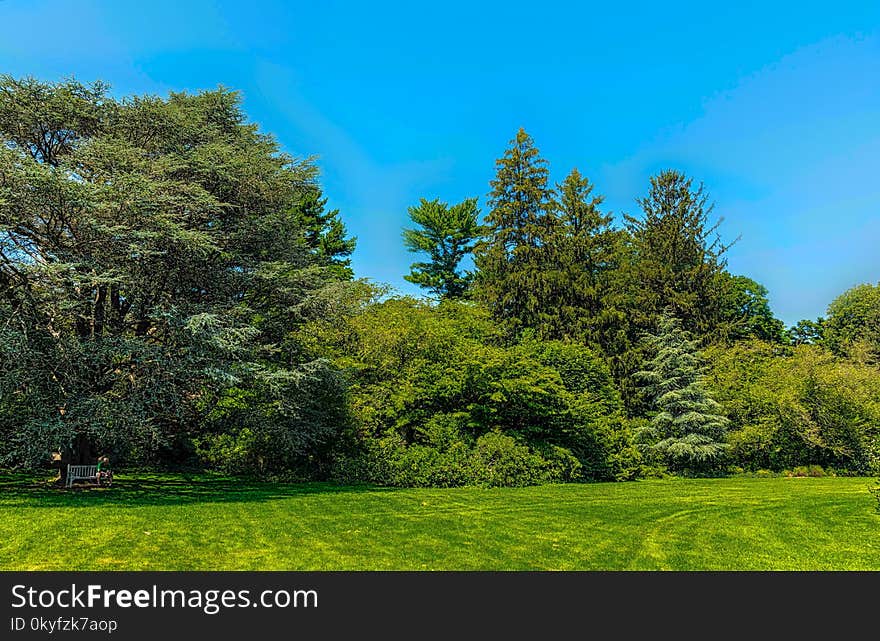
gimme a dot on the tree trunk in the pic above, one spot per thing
(98, 315)
(80, 452)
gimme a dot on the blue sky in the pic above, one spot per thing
(774, 106)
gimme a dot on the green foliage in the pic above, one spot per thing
(797, 406)
(511, 259)
(325, 233)
(291, 418)
(814, 471)
(581, 251)
(446, 234)
(677, 258)
(745, 311)
(669, 256)
(853, 324)
(437, 377)
(230, 453)
(807, 332)
(688, 430)
(155, 254)
(493, 460)
(173, 286)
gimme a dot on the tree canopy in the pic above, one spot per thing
(852, 326)
(154, 255)
(175, 290)
(447, 235)
(688, 429)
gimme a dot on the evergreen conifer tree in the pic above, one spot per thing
(582, 251)
(688, 430)
(447, 235)
(156, 257)
(512, 259)
(325, 233)
(677, 257)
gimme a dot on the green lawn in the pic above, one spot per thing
(208, 523)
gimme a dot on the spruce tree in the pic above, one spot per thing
(447, 235)
(688, 430)
(511, 260)
(676, 258)
(581, 252)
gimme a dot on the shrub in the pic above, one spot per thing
(796, 407)
(430, 382)
(229, 453)
(816, 471)
(498, 460)
(495, 460)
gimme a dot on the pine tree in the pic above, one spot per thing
(447, 235)
(688, 430)
(325, 233)
(511, 259)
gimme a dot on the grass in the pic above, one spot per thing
(173, 522)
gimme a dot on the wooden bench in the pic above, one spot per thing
(81, 473)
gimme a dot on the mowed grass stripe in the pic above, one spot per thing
(171, 522)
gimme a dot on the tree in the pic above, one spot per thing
(436, 378)
(325, 233)
(688, 429)
(581, 253)
(447, 234)
(852, 327)
(153, 263)
(795, 406)
(511, 258)
(745, 310)
(671, 256)
(807, 332)
(676, 256)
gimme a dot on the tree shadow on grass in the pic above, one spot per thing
(159, 489)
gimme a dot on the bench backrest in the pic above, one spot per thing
(82, 471)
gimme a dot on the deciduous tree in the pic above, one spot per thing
(852, 327)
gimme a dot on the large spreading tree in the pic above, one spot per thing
(155, 254)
